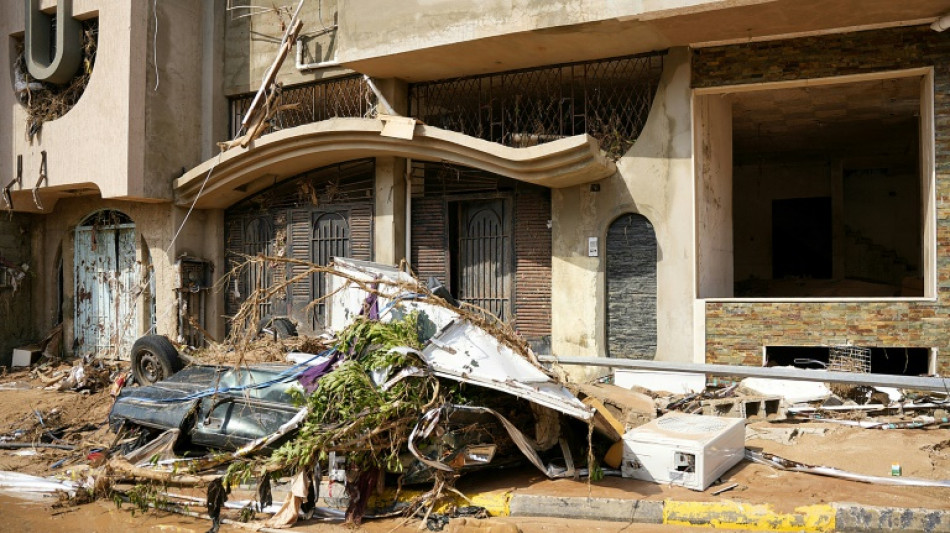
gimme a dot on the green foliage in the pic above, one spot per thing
(145, 495)
(239, 473)
(350, 413)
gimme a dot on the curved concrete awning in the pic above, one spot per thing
(240, 172)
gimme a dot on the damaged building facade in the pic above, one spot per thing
(695, 180)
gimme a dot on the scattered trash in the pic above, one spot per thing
(793, 391)
(383, 394)
(15, 482)
(786, 464)
(782, 435)
(674, 382)
(727, 488)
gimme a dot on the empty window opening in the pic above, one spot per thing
(901, 360)
(826, 191)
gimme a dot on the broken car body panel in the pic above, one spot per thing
(464, 352)
(232, 415)
(457, 349)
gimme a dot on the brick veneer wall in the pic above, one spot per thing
(736, 331)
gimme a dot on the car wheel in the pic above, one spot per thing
(282, 328)
(154, 358)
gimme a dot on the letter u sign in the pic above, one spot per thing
(59, 69)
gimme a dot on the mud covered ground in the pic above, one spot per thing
(80, 420)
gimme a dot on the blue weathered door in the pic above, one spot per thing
(107, 282)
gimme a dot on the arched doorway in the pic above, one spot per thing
(331, 238)
(631, 288)
(106, 285)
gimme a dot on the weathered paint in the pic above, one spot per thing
(107, 279)
(747, 516)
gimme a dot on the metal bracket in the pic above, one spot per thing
(42, 179)
(18, 180)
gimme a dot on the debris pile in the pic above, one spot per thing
(410, 387)
(45, 101)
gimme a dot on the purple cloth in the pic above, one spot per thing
(371, 304)
(310, 377)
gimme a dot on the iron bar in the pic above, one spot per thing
(923, 383)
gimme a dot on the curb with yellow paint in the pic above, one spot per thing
(497, 503)
(722, 514)
(756, 517)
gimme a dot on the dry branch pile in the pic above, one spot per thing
(46, 102)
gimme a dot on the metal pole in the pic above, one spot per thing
(934, 384)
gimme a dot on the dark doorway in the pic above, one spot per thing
(631, 288)
(480, 247)
(801, 238)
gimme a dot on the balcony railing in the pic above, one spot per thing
(313, 102)
(609, 99)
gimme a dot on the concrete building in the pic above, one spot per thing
(723, 181)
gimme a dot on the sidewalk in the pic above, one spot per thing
(790, 502)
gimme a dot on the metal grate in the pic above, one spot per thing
(849, 359)
(609, 99)
(312, 102)
(331, 238)
(484, 264)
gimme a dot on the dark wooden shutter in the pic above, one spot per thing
(533, 264)
(361, 232)
(298, 247)
(429, 238)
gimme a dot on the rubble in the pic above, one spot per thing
(412, 388)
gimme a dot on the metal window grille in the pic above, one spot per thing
(849, 359)
(312, 102)
(609, 99)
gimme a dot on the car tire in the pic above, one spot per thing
(154, 358)
(283, 328)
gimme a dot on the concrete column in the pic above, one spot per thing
(713, 115)
(214, 106)
(396, 92)
(389, 231)
(389, 237)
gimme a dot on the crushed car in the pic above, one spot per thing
(225, 408)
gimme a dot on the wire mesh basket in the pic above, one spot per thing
(849, 359)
